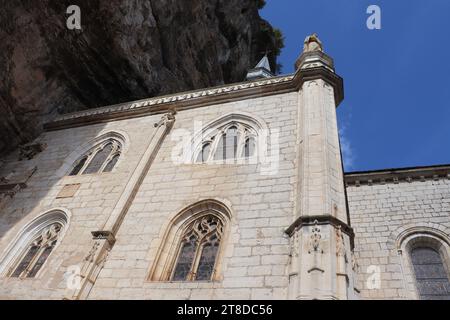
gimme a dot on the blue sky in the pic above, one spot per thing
(396, 111)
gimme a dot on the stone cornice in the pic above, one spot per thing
(304, 221)
(199, 98)
(395, 176)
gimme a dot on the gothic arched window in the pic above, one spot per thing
(193, 245)
(233, 141)
(37, 252)
(33, 246)
(198, 250)
(101, 158)
(431, 275)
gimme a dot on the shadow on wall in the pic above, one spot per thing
(33, 183)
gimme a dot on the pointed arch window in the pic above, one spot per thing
(199, 250)
(232, 141)
(37, 252)
(193, 245)
(33, 245)
(101, 158)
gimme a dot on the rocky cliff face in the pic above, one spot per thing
(126, 50)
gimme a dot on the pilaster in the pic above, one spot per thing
(321, 233)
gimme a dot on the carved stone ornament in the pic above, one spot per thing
(29, 151)
(315, 239)
(167, 119)
(355, 265)
(91, 255)
(312, 43)
(340, 244)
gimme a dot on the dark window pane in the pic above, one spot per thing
(76, 170)
(425, 256)
(185, 260)
(111, 164)
(207, 261)
(203, 155)
(98, 160)
(231, 143)
(25, 262)
(431, 276)
(249, 148)
(41, 260)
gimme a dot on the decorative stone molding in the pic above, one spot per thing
(199, 98)
(398, 236)
(340, 244)
(29, 151)
(396, 176)
(315, 239)
(321, 220)
(166, 120)
(104, 235)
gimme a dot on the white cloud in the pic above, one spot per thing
(348, 153)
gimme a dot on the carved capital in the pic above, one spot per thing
(104, 235)
(167, 119)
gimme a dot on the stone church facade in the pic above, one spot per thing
(232, 192)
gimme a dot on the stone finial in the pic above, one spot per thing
(313, 55)
(312, 43)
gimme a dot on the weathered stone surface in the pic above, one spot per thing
(126, 50)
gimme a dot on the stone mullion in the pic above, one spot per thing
(88, 160)
(33, 262)
(214, 144)
(242, 136)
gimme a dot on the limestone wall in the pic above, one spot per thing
(256, 253)
(380, 213)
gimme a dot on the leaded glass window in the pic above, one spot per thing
(76, 170)
(249, 147)
(37, 252)
(431, 277)
(186, 258)
(112, 163)
(204, 154)
(102, 158)
(232, 141)
(198, 251)
(99, 159)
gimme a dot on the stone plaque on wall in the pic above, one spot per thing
(68, 191)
